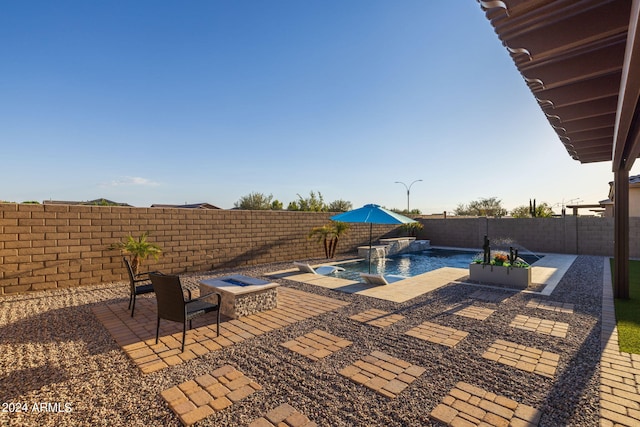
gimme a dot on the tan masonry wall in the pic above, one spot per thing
(574, 235)
(57, 246)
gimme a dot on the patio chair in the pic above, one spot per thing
(173, 306)
(136, 286)
(323, 269)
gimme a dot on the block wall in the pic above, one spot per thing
(574, 235)
(57, 246)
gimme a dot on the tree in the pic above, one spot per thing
(313, 203)
(543, 210)
(257, 201)
(482, 207)
(521, 212)
(340, 206)
(405, 212)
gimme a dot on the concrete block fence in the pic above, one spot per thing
(573, 235)
(58, 246)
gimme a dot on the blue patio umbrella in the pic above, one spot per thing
(372, 214)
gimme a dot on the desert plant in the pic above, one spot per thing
(339, 228)
(138, 249)
(411, 228)
(322, 235)
(328, 235)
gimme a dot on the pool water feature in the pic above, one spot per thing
(412, 264)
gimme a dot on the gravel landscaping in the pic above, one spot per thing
(54, 351)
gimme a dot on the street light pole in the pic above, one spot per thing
(408, 190)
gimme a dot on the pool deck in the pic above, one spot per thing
(309, 334)
(548, 271)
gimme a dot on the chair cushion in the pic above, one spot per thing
(144, 289)
(196, 308)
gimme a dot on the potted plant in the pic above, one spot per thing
(501, 268)
(138, 249)
(411, 229)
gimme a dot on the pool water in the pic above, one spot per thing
(412, 264)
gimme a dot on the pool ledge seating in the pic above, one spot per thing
(323, 269)
(379, 279)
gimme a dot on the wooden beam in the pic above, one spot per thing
(621, 234)
(626, 140)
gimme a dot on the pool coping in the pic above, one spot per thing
(549, 270)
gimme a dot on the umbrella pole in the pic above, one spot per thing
(370, 233)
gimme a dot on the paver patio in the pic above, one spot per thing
(490, 296)
(194, 400)
(317, 344)
(378, 318)
(382, 373)
(522, 357)
(284, 415)
(472, 312)
(136, 335)
(468, 405)
(558, 307)
(191, 397)
(540, 326)
(438, 334)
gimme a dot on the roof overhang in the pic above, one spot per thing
(581, 61)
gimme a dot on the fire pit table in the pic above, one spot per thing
(242, 295)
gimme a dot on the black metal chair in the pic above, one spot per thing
(136, 287)
(173, 306)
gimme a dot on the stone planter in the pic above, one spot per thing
(518, 278)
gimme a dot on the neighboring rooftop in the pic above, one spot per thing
(96, 202)
(189, 206)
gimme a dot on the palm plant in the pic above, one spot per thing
(329, 235)
(138, 249)
(322, 235)
(339, 228)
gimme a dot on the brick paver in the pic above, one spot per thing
(375, 317)
(382, 373)
(136, 335)
(559, 307)
(619, 371)
(528, 359)
(195, 400)
(468, 405)
(284, 415)
(316, 345)
(540, 326)
(438, 334)
(490, 296)
(472, 312)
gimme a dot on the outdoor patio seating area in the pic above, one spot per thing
(459, 353)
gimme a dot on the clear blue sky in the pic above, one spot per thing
(206, 101)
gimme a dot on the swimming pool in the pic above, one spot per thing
(412, 264)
